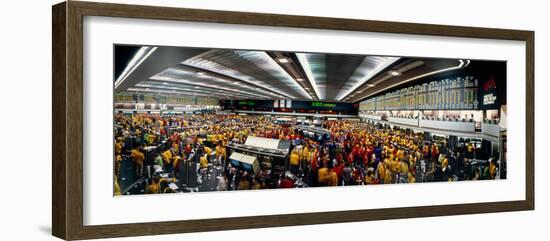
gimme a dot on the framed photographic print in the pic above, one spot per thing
(171, 120)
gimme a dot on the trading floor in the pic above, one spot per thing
(158, 153)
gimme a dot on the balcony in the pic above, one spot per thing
(404, 120)
(490, 127)
(449, 124)
(371, 116)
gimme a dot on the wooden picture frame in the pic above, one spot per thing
(67, 123)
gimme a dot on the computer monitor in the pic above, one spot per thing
(235, 163)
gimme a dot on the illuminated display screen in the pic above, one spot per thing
(322, 104)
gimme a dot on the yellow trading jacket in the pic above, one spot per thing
(294, 158)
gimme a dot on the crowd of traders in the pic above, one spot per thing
(354, 153)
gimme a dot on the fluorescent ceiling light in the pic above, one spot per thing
(287, 79)
(394, 73)
(302, 58)
(283, 60)
(178, 76)
(371, 85)
(370, 66)
(184, 91)
(202, 61)
(138, 58)
(268, 64)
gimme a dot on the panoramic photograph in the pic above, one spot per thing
(201, 120)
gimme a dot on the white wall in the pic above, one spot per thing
(405, 121)
(371, 117)
(491, 129)
(26, 61)
(448, 125)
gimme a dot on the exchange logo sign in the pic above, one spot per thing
(489, 96)
(489, 99)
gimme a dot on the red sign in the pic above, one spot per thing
(490, 84)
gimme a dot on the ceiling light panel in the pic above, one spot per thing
(253, 67)
(314, 65)
(188, 86)
(370, 66)
(168, 92)
(266, 63)
(185, 76)
(138, 58)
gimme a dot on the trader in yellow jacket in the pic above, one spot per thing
(381, 172)
(219, 151)
(207, 150)
(139, 159)
(369, 178)
(118, 163)
(294, 161)
(176, 161)
(118, 146)
(305, 154)
(167, 157)
(294, 158)
(154, 187)
(323, 176)
(404, 168)
(395, 165)
(333, 178)
(203, 161)
(117, 187)
(388, 178)
(445, 162)
(492, 168)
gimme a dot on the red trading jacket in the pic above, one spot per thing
(338, 169)
(350, 158)
(339, 157)
(174, 138)
(434, 153)
(355, 151)
(285, 183)
(314, 163)
(362, 151)
(370, 151)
